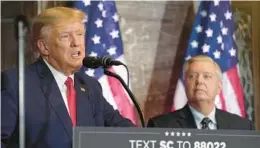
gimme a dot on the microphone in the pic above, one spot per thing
(105, 62)
(96, 62)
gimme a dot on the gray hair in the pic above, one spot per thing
(202, 58)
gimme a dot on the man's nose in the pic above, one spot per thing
(74, 40)
(200, 79)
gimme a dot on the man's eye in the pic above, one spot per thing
(207, 76)
(64, 36)
(191, 76)
(80, 34)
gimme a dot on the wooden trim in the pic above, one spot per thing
(256, 60)
(246, 6)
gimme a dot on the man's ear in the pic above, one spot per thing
(43, 49)
(219, 86)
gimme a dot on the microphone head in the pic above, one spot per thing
(109, 61)
(92, 62)
(96, 62)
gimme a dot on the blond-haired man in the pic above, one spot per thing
(202, 79)
(57, 96)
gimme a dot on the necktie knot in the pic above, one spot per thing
(205, 123)
(69, 82)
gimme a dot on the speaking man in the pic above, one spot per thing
(57, 96)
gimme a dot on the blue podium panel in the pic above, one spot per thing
(107, 137)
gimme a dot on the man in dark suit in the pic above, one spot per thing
(57, 97)
(202, 79)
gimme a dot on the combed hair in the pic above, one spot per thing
(201, 58)
(50, 17)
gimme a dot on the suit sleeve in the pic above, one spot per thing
(9, 110)
(112, 117)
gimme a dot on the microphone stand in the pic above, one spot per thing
(129, 93)
(21, 85)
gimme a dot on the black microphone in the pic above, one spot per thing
(96, 62)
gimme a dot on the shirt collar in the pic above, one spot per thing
(59, 76)
(199, 116)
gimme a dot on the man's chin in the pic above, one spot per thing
(201, 99)
(200, 96)
(76, 67)
(204, 101)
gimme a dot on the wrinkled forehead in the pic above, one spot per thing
(202, 66)
(67, 26)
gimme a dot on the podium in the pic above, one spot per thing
(117, 137)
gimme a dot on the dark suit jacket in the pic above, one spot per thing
(183, 118)
(47, 121)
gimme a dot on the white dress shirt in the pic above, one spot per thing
(60, 80)
(198, 117)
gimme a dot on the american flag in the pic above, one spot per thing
(103, 38)
(212, 35)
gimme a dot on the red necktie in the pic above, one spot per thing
(71, 96)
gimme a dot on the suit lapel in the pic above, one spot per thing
(221, 122)
(84, 106)
(186, 119)
(52, 93)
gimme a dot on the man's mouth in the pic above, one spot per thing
(200, 90)
(76, 54)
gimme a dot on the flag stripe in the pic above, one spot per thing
(120, 70)
(230, 97)
(180, 96)
(218, 102)
(238, 90)
(222, 100)
(124, 106)
(107, 91)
